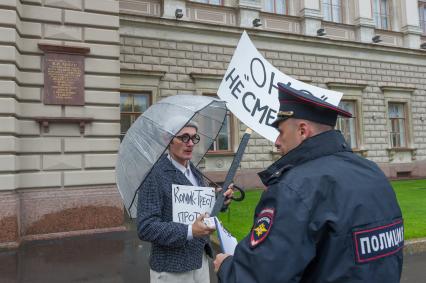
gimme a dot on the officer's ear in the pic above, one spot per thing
(305, 130)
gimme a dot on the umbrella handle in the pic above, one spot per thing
(242, 194)
(238, 188)
(240, 198)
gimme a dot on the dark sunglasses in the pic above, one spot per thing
(186, 137)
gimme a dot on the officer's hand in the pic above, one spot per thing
(228, 194)
(199, 228)
(218, 261)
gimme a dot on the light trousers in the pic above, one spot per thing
(201, 275)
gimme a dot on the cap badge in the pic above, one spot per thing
(285, 113)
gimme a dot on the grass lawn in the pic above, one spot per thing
(411, 196)
(412, 199)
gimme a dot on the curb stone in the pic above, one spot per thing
(415, 246)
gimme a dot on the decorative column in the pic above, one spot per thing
(312, 17)
(174, 9)
(11, 93)
(410, 23)
(364, 21)
(249, 10)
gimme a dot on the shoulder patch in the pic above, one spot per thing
(378, 242)
(262, 226)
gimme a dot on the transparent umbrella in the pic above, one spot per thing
(149, 136)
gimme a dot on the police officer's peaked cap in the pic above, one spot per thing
(303, 105)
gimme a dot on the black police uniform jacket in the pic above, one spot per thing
(327, 215)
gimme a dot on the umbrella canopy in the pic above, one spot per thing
(149, 136)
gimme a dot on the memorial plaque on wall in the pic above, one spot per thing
(63, 75)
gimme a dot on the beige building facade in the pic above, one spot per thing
(370, 50)
(57, 161)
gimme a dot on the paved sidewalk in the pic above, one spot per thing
(112, 257)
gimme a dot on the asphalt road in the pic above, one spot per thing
(113, 257)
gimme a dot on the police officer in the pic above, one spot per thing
(327, 215)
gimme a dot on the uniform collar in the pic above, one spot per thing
(326, 143)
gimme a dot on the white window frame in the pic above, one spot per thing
(210, 2)
(137, 81)
(274, 7)
(383, 13)
(207, 84)
(330, 6)
(403, 126)
(354, 92)
(422, 16)
(230, 133)
(353, 124)
(403, 96)
(133, 114)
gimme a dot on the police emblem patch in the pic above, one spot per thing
(262, 226)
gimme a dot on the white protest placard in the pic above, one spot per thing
(228, 243)
(190, 201)
(250, 89)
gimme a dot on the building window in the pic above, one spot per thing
(276, 6)
(332, 10)
(422, 16)
(131, 106)
(348, 126)
(381, 10)
(213, 2)
(397, 131)
(223, 142)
